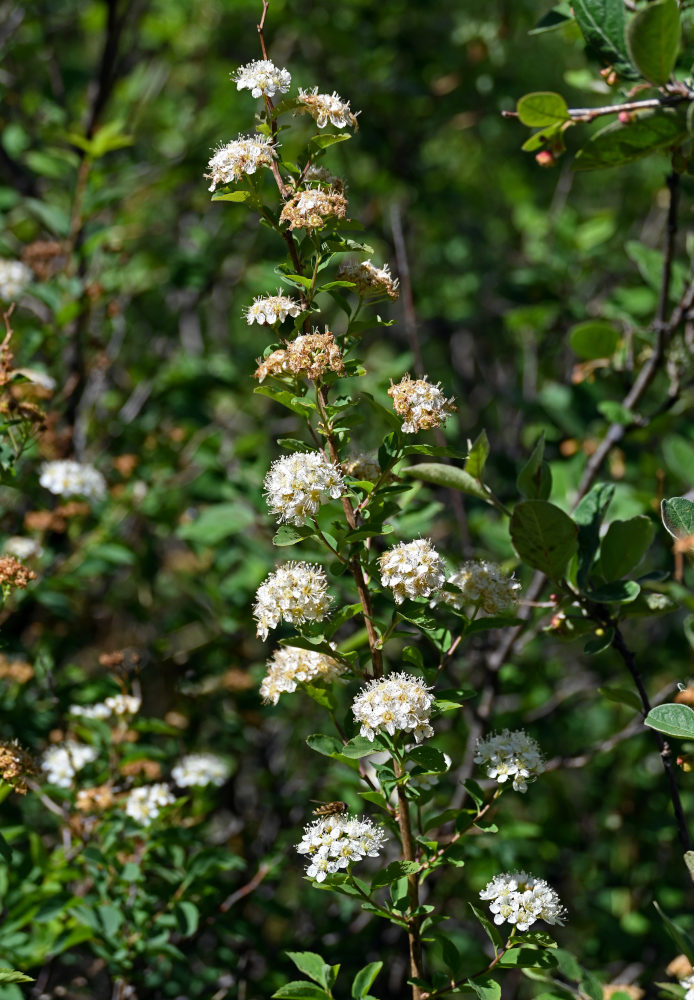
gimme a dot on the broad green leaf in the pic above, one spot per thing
(430, 758)
(543, 536)
(326, 140)
(653, 40)
(678, 516)
(237, 196)
(535, 479)
(593, 339)
(298, 990)
(477, 456)
(542, 108)
(287, 534)
(312, 965)
(621, 143)
(599, 641)
(541, 138)
(625, 545)
(680, 937)
(11, 976)
(357, 747)
(217, 522)
(485, 988)
(588, 516)
(329, 746)
(364, 980)
(447, 475)
(555, 18)
(489, 927)
(622, 696)
(616, 413)
(394, 871)
(673, 720)
(187, 917)
(528, 958)
(603, 24)
(618, 592)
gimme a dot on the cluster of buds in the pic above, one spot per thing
(310, 209)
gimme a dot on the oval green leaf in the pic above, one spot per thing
(542, 108)
(673, 720)
(623, 143)
(678, 516)
(625, 545)
(447, 475)
(593, 339)
(653, 40)
(543, 536)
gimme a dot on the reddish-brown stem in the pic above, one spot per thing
(413, 923)
(261, 26)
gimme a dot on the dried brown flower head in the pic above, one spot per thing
(420, 404)
(95, 799)
(43, 257)
(680, 967)
(370, 281)
(15, 670)
(15, 765)
(310, 355)
(144, 767)
(14, 575)
(309, 209)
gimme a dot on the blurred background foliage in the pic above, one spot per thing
(139, 318)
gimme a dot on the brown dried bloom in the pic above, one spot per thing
(42, 257)
(144, 767)
(680, 967)
(14, 575)
(635, 992)
(420, 404)
(323, 178)
(55, 520)
(310, 209)
(15, 670)
(310, 355)
(369, 280)
(686, 695)
(95, 799)
(15, 765)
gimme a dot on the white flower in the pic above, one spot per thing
(145, 803)
(297, 485)
(521, 899)
(326, 107)
(22, 548)
(369, 280)
(412, 569)
(272, 309)
(420, 404)
(332, 842)
(296, 592)
(688, 985)
(510, 755)
(71, 478)
(262, 78)
(13, 277)
(62, 761)
(240, 156)
(483, 585)
(399, 702)
(200, 769)
(123, 704)
(100, 710)
(290, 666)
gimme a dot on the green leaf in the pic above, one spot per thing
(616, 413)
(326, 140)
(312, 965)
(287, 534)
(555, 18)
(542, 108)
(621, 143)
(625, 545)
(535, 479)
(447, 475)
(528, 958)
(5, 850)
(237, 196)
(394, 871)
(357, 747)
(364, 980)
(588, 516)
(430, 758)
(187, 917)
(486, 989)
(619, 592)
(329, 746)
(595, 338)
(477, 456)
(673, 720)
(543, 536)
(653, 40)
(11, 976)
(602, 24)
(299, 990)
(217, 522)
(599, 642)
(489, 927)
(681, 938)
(622, 696)
(678, 516)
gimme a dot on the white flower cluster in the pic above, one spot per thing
(510, 755)
(326, 107)
(13, 277)
(688, 985)
(272, 309)
(22, 548)
(420, 404)
(521, 899)
(334, 841)
(296, 592)
(98, 711)
(240, 156)
(70, 478)
(200, 769)
(297, 485)
(399, 702)
(483, 585)
(291, 666)
(117, 704)
(369, 280)
(412, 569)
(262, 78)
(146, 802)
(61, 762)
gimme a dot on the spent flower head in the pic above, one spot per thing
(14, 575)
(483, 585)
(326, 108)
(510, 755)
(61, 762)
(298, 484)
(420, 404)
(262, 78)
(368, 279)
(311, 208)
(14, 276)
(296, 592)
(521, 899)
(310, 355)
(333, 842)
(69, 478)
(399, 702)
(272, 309)
(412, 569)
(146, 802)
(240, 156)
(198, 769)
(363, 466)
(291, 666)
(15, 765)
